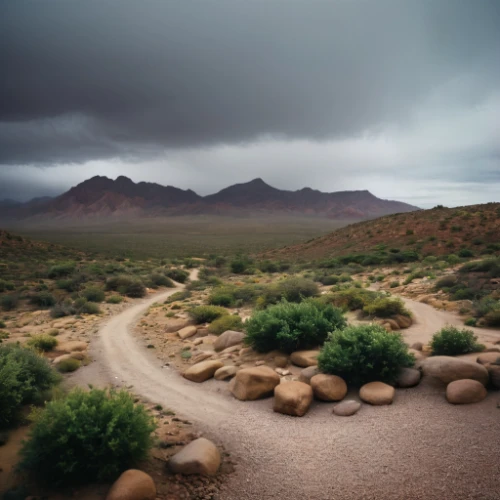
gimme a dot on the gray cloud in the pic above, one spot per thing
(203, 94)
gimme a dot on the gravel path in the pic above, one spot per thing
(418, 448)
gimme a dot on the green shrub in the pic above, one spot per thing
(292, 289)
(268, 266)
(158, 279)
(239, 266)
(470, 322)
(446, 282)
(226, 322)
(351, 298)
(6, 285)
(60, 270)
(2, 324)
(206, 314)
(365, 353)
(42, 342)
(230, 295)
(62, 309)
(178, 296)
(68, 365)
(86, 437)
(394, 284)
(492, 318)
(82, 306)
(127, 286)
(25, 377)
(42, 299)
(289, 327)
(385, 307)
(9, 302)
(450, 341)
(465, 253)
(94, 294)
(114, 299)
(178, 275)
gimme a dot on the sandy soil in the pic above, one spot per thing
(421, 447)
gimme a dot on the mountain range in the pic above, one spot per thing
(104, 197)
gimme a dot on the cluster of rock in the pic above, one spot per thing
(465, 380)
(396, 323)
(200, 457)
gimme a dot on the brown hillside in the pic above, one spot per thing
(438, 231)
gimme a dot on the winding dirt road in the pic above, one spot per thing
(420, 447)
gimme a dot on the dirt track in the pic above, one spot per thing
(419, 448)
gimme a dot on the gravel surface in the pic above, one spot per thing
(420, 447)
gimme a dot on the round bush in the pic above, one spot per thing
(450, 341)
(87, 436)
(207, 314)
(224, 323)
(289, 327)
(42, 342)
(94, 294)
(385, 307)
(42, 299)
(364, 353)
(68, 365)
(178, 275)
(25, 377)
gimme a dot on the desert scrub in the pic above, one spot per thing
(289, 326)
(68, 365)
(42, 299)
(60, 270)
(157, 279)
(126, 286)
(351, 298)
(178, 296)
(365, 353)
(25, 378)
(178, 275)
(93, 294)
(292, 289)
(42, 342)
(450, 341)
(226, 322)
(385, 307)
(86, 437)
(114, 299)
(206, 314)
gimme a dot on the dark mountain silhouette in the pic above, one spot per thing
(101, 196)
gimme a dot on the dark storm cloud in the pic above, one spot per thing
(89, 80)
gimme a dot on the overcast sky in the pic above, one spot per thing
(401, 97)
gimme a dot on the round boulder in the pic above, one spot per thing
(328, 387)
(200, 456)
(408, 377)
(202, 371)
(347, 408)
(488, 357)
(377, 393)
(227, 339)
(448, 369)
(133, 485)
(307, 374)
(226, 372)
(187, 331)
(254, 383)
(403, 321)
(304, 358)
(465, 392)
(292, 398)
(494, 372)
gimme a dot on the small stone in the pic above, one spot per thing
(200, 456)
(226, 372)
(260, 363)
(377, 393)
(465, 391)
(308, 373)
(304, 358)
(418, 346)
(227, 339)
(187, 332)
(202, 371)
(347, 408)
(133, 485)
(281, 361)
(408, 377)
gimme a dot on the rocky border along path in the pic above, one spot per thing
(421, 447)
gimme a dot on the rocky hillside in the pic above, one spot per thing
(472, 230)
(103, 197)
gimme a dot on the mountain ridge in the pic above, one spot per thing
(101, 196)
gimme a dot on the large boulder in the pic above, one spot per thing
(488, 357)
(292, 398)
(254, 383)
(308, 373)
(494, 372)
(328, 387)
(226, 372)
(377, 393)
(200, 456)
(176, 324)
(448, 369)
(202, 371)
(408, 377)
(347, 408)
(133, 485)
(187, 331)
(304, 358)
(228, 339)
(465, 391)
(403, 321)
